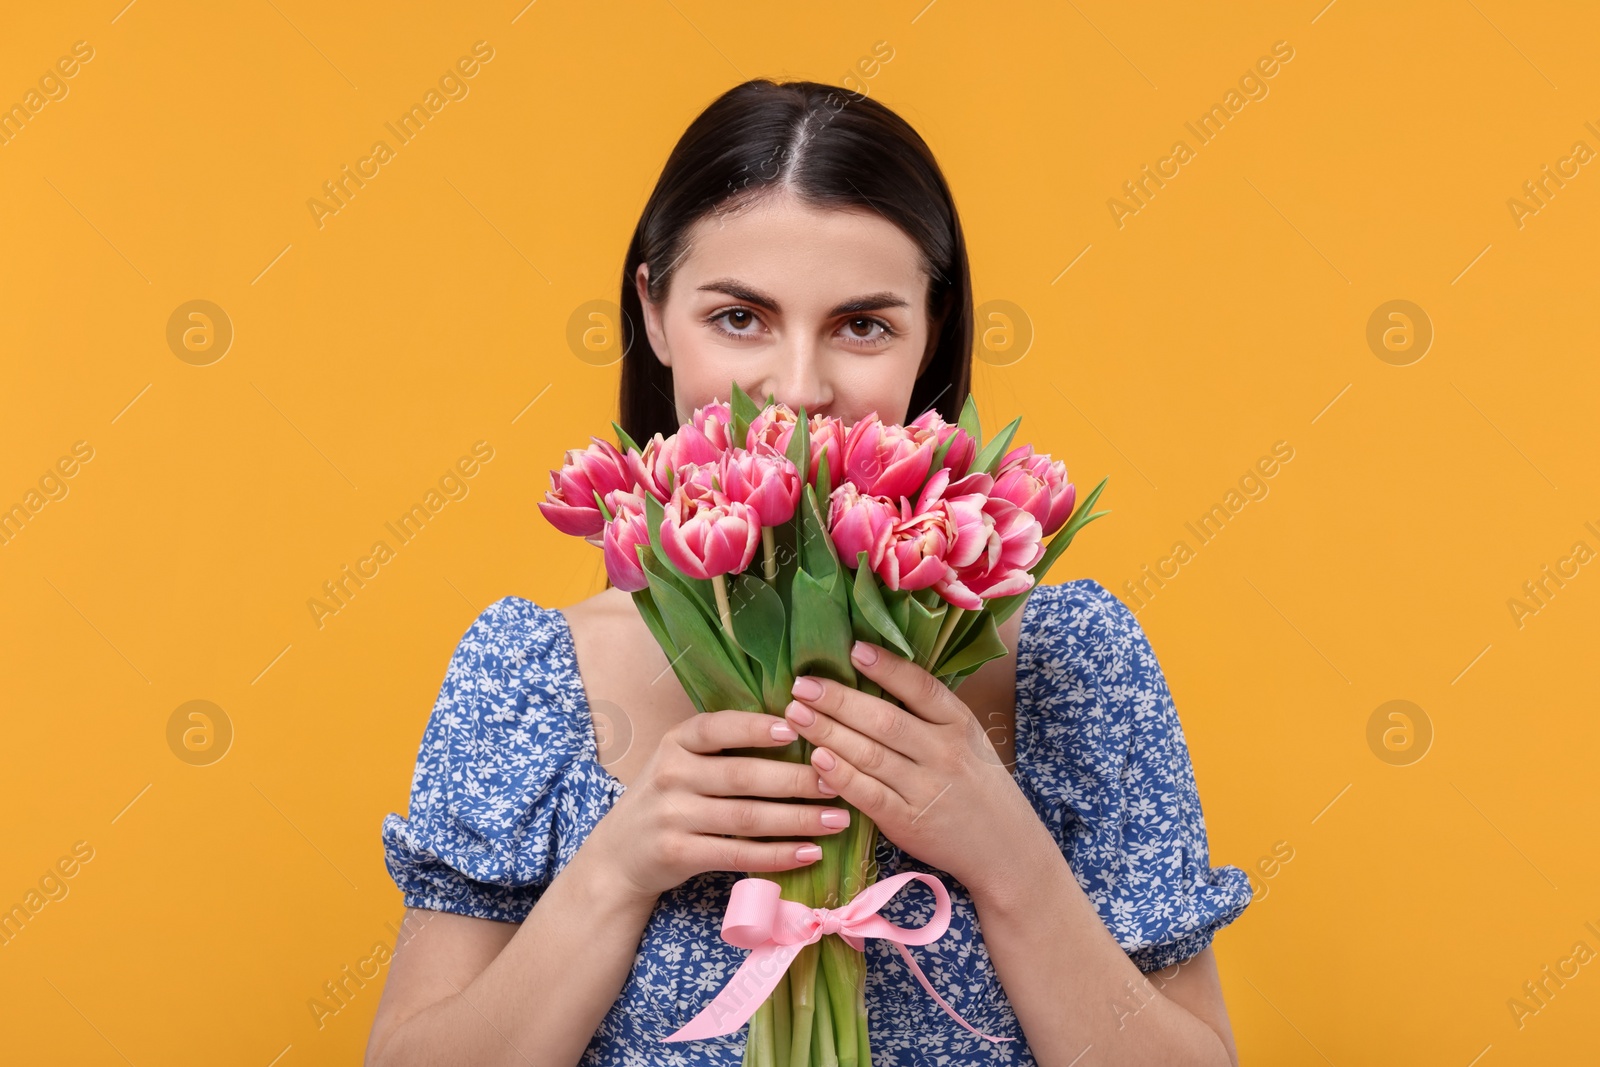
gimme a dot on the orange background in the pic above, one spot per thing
(1229, 313)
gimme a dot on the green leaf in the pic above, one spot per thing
(759, 622)
(624, 441)
(743, 410)
(652, 618)
(984, 646)
(601, 504)
(722, 681)
(968, 420)
(964, 627)
(899, 610)
(824, 477)
(799, 450)
(924, 628)
(868, 601)
(787, 553)
(818, 556)
(819, 629)
(989, 458)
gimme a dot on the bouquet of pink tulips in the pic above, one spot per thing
(759, 544)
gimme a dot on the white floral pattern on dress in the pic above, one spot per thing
(508, 786)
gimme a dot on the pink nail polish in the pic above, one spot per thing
(782, 731)
(808, 852)
(835, 818)
(825, 789)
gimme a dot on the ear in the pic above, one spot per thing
(653, 327)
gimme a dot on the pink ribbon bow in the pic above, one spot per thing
(776, 930)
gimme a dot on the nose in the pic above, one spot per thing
(800, 377)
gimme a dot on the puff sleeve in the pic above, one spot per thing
(505, 787)
(1103, 758)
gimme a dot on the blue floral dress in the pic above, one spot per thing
(508, 786)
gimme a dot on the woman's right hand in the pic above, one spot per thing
(668, 825)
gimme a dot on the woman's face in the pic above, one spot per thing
(824, 309)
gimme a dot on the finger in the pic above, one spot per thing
(713, 731)
(869, 795)
(753, 776)
(707, 851)
(894, 728)
(744, 817)
(918, 690)
(867, 754)
(733, 854)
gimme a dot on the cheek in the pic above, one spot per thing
(702, 369)
(882, 384)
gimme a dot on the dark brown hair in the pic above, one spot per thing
(833, 149)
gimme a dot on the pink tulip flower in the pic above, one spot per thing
(705, 534)
(1037, 484)
(860, 523)
(962, 451)
(771, 429)
(714, 420)
(619, 502)
(657, 466)
(826, 430)
(932, 536)
(773, 432)
(623, 535)
(1009, 543)
(886, 459)
(766, 481)
(569, 504)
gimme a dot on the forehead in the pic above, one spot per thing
(802, 253)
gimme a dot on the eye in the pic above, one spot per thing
(862, 331)
(858, 331)
(740, 318)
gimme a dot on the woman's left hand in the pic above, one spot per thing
(925, 774)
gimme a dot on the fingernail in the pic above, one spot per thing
(824, 759)
(806, 688)
(863, 653)
(782, 731)
(801, 714)
(825, 789)
(808, 852)
(835, 818)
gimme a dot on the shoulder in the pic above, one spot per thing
(502, 735)
(510, 623)
(1076, 620)
(608, 612)
(510, 697)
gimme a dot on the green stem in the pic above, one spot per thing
(781, 1021)
(803, 993)
(952, 616)
(769, 561)
(758, 1050)
(827, 1051)
(719, 583)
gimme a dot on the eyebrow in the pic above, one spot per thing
(739, 291)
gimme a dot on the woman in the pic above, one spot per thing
(575, 825)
